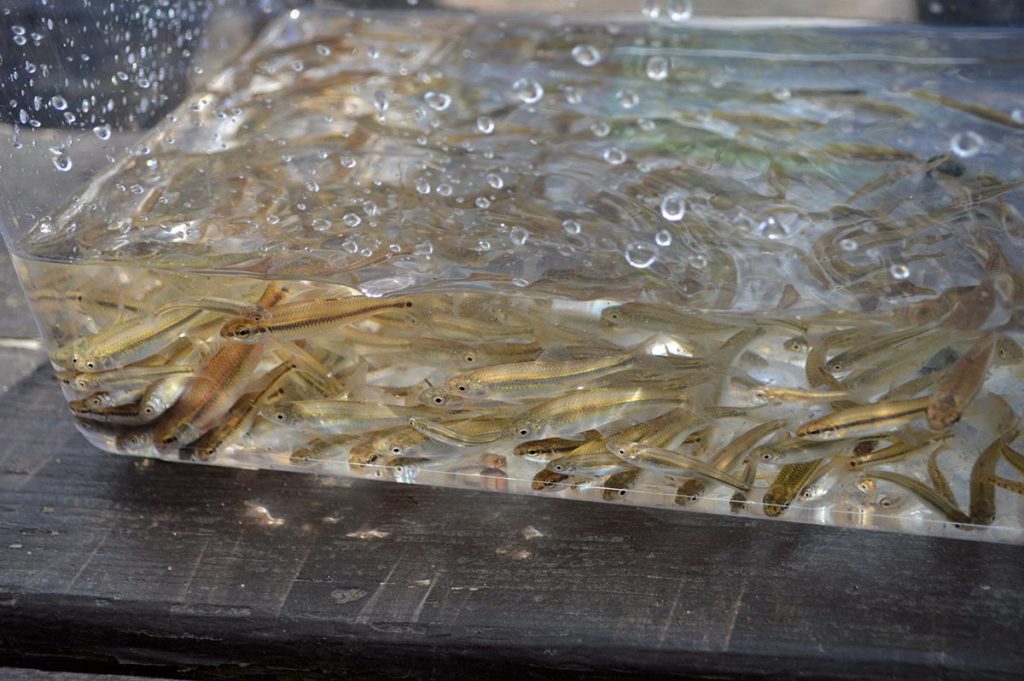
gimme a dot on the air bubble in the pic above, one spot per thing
(519, 235)
(848, 245)
(586, 55)
(351, 219)
(663, 238)
(573, 95)
(600, 128)
(380, 101)
(571, 227)
(62, 163)
(482, 202)
(444, 189)
(1018, 116)
(652, 9)
(627, 99)
(673, 207)
(640, 255)
(966, 144)
(438, 101)
(614, 156)
(680, 10)
(772, 229)
(58, 103)
(657, 68)
(781, 93)
(320, 224)
(935, 7)
(422, 186)
(485, 124)
(899, 271)
(495, 181)
(529, 91)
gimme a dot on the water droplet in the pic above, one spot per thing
(848, 245)
(529, 91)
(1017, 115)
(640, 255)
(62, 163)
(519, 235)
(438, 101)
(600, 129)
(966, 144)
(495, 181)
(663, 237)
(652, 9)
(485, 124)
(586, 55)
(627, 99)
(102, 131)
(771, 229)
(657, 68)
(899, 271)
(351, 219)
(615, 156)
(482, 202)
(571, 227)
(781, 93)
(680, 10)
(58, 103)
(422, 185)
(673, 207)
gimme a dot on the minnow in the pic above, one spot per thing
(959, 384)
(938, 478)
(209, 396)
(669, 462)
(727, 457)
(460, 433)
(983, 495)
(738, 502)
(543, 450)
(159, 396)
(778, 393)
(792, 478)
(583, 410)
(593, 464)
(618, 484)
(925, 494)
(522, 380)
(844, 360)
(340, 416)
(130, 341)
(1015, 486)
(546, 479)
(128, 378)
(298, 320)
(650, 316)
(240, 417)
(319, 450)
(898, 451)
(865, 420)
(1008, 352)
(124, 414)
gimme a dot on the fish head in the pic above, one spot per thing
(284, 415)
(524, 428)
(1008, 351)
(363, 453)
(439, 397)
(817, 431)
(625, 450)
(613, 317)
(465, 387)
(134, 443)
(245, 330)
(152, 406)
(83, 360)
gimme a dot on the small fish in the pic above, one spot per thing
(524, 380)
(618, 484)
(103, 398)
(544, 450)
(340, 416)
(209, 396)
(983, 494)
(298, 320)
(591, 465)
(870, 347)
(898, 451)
(925, 494)
(130, 341)
(669, 462)
(651, 316)
(159, 396)
(1008, 352)
(462, 433)
(128, 378)
(1015, 458)
(124, 414)
(738, 502)
(1015, 486)
(584, 410)
(865, 420)
(320, 450)
(546, 479)
(778, 393)
(727, 457)
(959, 384)
(790, 481)
(938, 478)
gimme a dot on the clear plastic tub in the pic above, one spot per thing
(665, 259)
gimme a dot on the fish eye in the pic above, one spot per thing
(242, 332)
(558, 468)
(396, 450)
(280, 416)
(438, 400)
(622, 451)
(462, 388)
(622, 492)
(74, 360)
(469, 358)
(524, 432)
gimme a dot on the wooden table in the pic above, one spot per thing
(134, 566)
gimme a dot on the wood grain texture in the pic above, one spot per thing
(202, 571)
